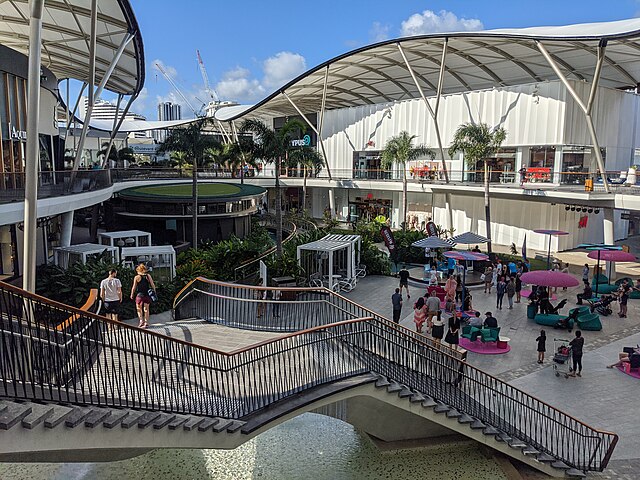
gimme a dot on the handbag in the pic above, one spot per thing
(152, 295)
(483, 277)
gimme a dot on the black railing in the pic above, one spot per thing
(113, 364)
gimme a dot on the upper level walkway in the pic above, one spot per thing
(109, 377)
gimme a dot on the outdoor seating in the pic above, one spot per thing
(550, 320)
(580, 311)
(347, 284)
(361, 271)
(490, 334)
(590, 321)
(440, 293)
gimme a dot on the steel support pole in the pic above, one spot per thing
(75, 107)
(31, 168)
(324, 100)
(324, 153)
(114, 62)
(117, 128)
(586, 110)
(92, 82)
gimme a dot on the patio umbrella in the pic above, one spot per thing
(459, 255)
(550, 233)
(469, 238)
(433, 242)
(598, 249)
(548, 278)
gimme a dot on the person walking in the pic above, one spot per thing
(142, 283)
(577, 345)
(458, 289)
(453, 334)
(510, 290)
(585, 273)
(419, 314)
(518, 287)
(111, 294)
(501, 287)
(450, 287)
(523, 175)
(437, 327)
(488, 279)
(261, 295)
(404, 280)
(396, 302)
(542, 345)
(623, 298)
(433, 307)
(277, 295)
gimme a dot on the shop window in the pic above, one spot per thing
(541, 161)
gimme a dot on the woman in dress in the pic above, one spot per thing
(459, 289)
(518, 287)
(453, 334)
(450, 287)
(419, 314)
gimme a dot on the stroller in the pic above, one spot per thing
(561, 357)
(602, 306)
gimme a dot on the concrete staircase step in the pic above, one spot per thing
(147, 419)
(39, 413)
(464, 418)
(545, 458)
(517, 444)
(453, 413)
(382, 382)
(78, 416)
(405, 392)
(192, 423)
(13, 414)
(207, 424)
(530, 451)
(429, 402)
(394, 387)
(574, 472)
(492, 431)
(132, 419)
(441, 408)
(223, 424)
(178, 422)
(235, 426)
(60, 414)
(560, 465)
(417, 398)
(96, 417)
(164, 420)
(115, 419)
(477, 425)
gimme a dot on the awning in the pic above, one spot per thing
(433, 242)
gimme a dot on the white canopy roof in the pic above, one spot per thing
(475, 60)
(65, 39)
(86, 248)
(124, 233)
(324, 246)
(148, 251)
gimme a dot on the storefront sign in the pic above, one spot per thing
(301, 142)
(389, 241)
(144, 148)
(17, 134)
(432, 230)
(625, 216)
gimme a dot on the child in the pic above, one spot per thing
(542, 339)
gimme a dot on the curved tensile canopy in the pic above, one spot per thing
(378, 74)
(66, 30)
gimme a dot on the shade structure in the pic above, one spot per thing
(471, 256)
(612, 256)
(433, 242)
(548, 278)
(550, 233)
(469, 238)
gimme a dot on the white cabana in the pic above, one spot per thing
(160, 259)
(129, 238)
(66, 256)
(331, 261)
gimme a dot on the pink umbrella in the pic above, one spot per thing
(612, 256)
(548, 278)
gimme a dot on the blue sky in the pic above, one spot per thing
(252, 47)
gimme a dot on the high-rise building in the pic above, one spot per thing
(104, 110)
(166, 111)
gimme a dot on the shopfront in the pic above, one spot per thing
(541, 161)
(365, 207)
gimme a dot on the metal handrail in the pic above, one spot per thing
(118, 365)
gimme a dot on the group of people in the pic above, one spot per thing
(142, 290)
(506, 280)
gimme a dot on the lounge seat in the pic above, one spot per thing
(605, 288)
(550, 320)
(590, 322)
(580, 311)
(490, 334)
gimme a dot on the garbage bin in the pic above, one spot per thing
(532, 309)
(588, 185)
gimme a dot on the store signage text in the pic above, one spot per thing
(17, 134)
(301, 142)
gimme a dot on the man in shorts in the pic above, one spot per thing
(404, 280)
(111, 294)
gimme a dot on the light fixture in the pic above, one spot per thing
(573, 208)
(567, 207)
(590, 210)
(596, 211)
(584, 209)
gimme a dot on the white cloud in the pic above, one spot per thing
(378, 32)
(443, 21)
(169, 70)
(240, 85)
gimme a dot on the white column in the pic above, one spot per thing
(66, 228)
(609, 238)
(332, 202)
(33, 153)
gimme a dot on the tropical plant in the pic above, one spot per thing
(478, 142)
(273, 146)
(120, 156)
(311, 161)
(193, 141)
(400, 149)
(179, 159)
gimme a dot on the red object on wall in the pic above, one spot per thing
(369, 196)
(582, 223)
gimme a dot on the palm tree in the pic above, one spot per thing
(478, 142)
(400, 149)
(180, 160)
(310, 159)
(273, 147)
(193, 141)
(118, 156)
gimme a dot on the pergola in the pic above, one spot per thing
(331, 259)
(66, 256)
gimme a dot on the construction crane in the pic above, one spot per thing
(205, 78)
(175, 87)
